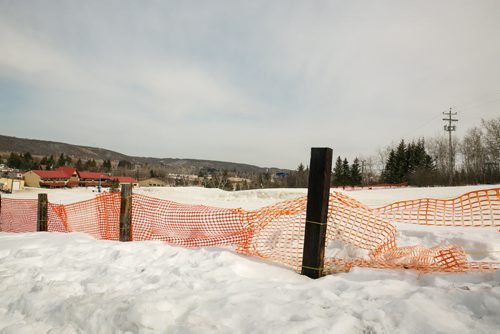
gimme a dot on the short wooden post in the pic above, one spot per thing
(41, 223)
(126, 213)
(318, 195)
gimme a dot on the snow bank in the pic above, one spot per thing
(69, 283)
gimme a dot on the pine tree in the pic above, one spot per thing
(346, 173)
(355, 173)
(79, 164)
(14, 160)
(401, 163)
(124, 164)
(390, 170)
(61, 161)
(106, 166)
(337, 173)
(90, 165)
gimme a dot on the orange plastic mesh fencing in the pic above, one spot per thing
(99, 217)
(18, 215)
(279, 230)
(356, 234)
(187, 225)
(475, 208)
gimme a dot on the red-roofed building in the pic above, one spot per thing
(72, 173)
(71, 177)
(46, 179)
(92, 179)
(125, 180)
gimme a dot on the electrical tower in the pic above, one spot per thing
(449, 128)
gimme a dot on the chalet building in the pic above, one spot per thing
(46, 179)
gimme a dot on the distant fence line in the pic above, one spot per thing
(373, 186)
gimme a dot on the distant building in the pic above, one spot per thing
(10, 185)
(125, 180)
(153, 182)
(71, 177)
(93, 179)
(46, 179)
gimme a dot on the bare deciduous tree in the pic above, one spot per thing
(473, 154)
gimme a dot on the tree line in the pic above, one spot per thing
(26, 161)
(418, 163)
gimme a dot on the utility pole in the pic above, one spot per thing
(449, 128)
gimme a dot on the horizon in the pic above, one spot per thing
(255, 83)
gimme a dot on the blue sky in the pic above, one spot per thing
(257, 82)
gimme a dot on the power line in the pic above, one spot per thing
(449, 128)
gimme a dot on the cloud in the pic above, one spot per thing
(255, 82)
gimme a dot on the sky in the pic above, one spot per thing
(258, 82)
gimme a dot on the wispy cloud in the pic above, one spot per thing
(255, 82)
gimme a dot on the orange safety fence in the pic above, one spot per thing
(475, 208)
(356, 234)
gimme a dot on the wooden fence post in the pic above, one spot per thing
(41, 221)
(318, 195)
(126, 212)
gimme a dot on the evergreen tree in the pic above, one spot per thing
(90, 165)
(124, 164)
(401, 157)
(14, 161)
(346, 173)
(355, 173)
(406, 161)
(79, 164)
(390, 170)
(338, 175)
(106, 166)
(61, 161)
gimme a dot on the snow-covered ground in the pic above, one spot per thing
(71, 283)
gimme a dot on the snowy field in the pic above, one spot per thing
(71, 283)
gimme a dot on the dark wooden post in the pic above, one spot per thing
(318, 195)
(126, 213)
(41, 223)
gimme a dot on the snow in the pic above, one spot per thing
(72, 283)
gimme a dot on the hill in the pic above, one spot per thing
(41, 148)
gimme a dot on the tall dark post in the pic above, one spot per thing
(41, 223)
(318, 195)
(126, 213)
